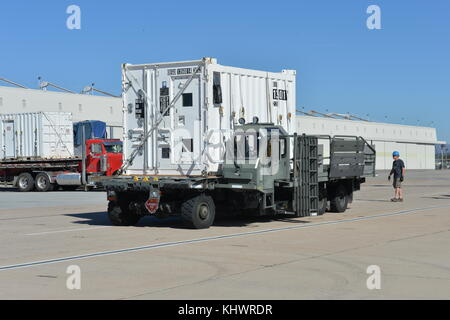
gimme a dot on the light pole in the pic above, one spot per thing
(442, 156)
(446, 156)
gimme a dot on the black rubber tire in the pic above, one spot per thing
(70, 188)
(339, 202)
(323, 202)
(120, 217)
(199, 212)
(42, 183)
(350, 197)
(25, 182)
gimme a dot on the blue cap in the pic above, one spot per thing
(396, 154)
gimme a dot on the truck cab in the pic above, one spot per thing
(103, 156)
(260, 154)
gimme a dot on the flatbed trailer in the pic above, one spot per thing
(307, 184)
(39, 163)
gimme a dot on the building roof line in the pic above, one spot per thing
(367, 122)
(57, 92)
(13, 83)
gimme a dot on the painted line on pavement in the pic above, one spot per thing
(67, 230)
(229, 236)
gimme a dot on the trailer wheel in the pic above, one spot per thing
(339, 202)
(350, 197)
(323, 202)
(25, 182)
(199, 212)
(120, 217)
(42, 183)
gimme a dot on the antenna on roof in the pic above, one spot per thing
(322, 114)
(13, 83)
(347, 116)
(45, 84)
(343, 116)
(304, 112)
(90, 89)
(358, 118)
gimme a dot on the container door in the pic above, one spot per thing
(134, 99)
(174, 146)
(8, 139)
(163, 139)
(187, 125)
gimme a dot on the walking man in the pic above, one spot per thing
(398, 170)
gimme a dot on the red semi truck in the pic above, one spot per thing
(95, 159)
(103, 159)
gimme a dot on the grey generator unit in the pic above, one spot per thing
(36, 135)
(179, 115)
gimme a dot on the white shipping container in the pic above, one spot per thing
(36, 135)
(208, 100)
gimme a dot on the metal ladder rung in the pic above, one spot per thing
(307, 190)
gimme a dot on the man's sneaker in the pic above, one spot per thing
(400, 200)
(394, 200)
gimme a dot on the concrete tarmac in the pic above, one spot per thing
(326, 257)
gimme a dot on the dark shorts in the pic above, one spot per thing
(397, 183)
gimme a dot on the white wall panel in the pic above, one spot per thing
(415, 144)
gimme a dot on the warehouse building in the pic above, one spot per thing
(415, 144)
(82, 106)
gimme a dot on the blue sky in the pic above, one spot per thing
(398, 74)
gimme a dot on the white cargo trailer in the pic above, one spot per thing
(43, 135)
(179, 115)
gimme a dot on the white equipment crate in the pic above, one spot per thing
(178, 115)
(36, 135)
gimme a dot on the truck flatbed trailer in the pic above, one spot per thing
(306, 185)
(39, 163)
(46, 174)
